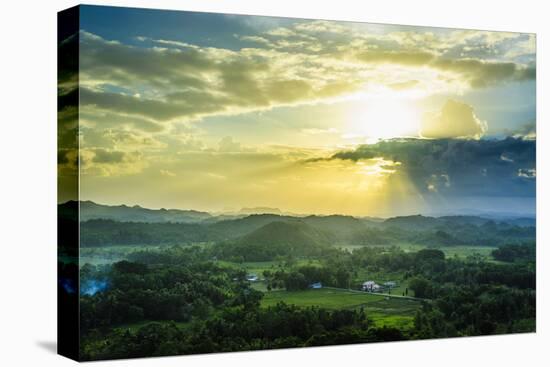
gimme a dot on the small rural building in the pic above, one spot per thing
(252, 277)
(390, 284)
(316, 285)
(370, 286)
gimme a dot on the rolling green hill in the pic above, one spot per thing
(277, 238)
(233, 228)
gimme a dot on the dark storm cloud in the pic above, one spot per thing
(459, 167)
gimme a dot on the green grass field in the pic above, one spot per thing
(326, 298)
(379, 308)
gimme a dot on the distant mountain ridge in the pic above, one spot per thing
(103, 225)
(420, 222)
(124, 213)
(90, 210)
(260, 210)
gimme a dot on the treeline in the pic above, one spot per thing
(302, 277)
(513, 252)
(240, 329)
(426, 270)
(453, 233)
(106, 232)
(459, 310)
(263, 231)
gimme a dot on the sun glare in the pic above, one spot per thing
(384, 117)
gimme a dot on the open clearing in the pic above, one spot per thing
(379, 308)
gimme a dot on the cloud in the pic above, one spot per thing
(133, 140)
(131, 105)
(456, 119)
(106, 156)
(216, 176)
(413, 58)
(404, 85)
(316, 131)
(167, 173)
(527, 131)
(227, 144)
(67, 118)
(437, 181)
(321, 26)
(108, 162)
(530, 173)
(480, 73)
(457, 167)
(158, 85)
(281, 32)
(475, 72)
(67, 77)
(304, 63)
(103, 119)
(255, 39)
(150, 86)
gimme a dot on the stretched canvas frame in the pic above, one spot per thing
(327, 183)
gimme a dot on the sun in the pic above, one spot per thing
(383, 117)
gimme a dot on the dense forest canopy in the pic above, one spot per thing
(221, 312)
(276, 183)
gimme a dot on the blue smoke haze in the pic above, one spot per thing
(92, 286)
(68, 285)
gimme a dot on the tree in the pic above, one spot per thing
(422, 287)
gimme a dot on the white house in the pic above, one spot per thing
(316, 285)
(370, 286)
(252, 277)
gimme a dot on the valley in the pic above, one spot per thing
(339, 277)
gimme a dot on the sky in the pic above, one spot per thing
(221, 112)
